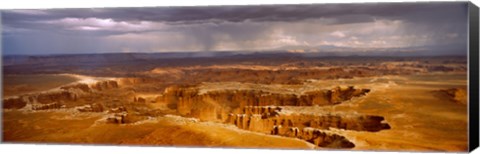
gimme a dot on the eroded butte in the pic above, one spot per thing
(276, 101)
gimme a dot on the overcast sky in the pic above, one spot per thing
(254, 28)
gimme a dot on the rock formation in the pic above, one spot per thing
(104, 85)
(49, 106)
(457, 95)
(124, 118)
(64, 94)
(14, 103)
(56, 96)
(117, 110)
(117, 118)
(216, 105)
(263, 123)
(81, 86)
(261, 111)
(314, 136)
(139, 100)
(339, 94)
(270, 120)
(91, 108)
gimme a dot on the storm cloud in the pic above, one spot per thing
(252, 28)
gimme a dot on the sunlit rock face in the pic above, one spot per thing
(49, 106)
(67, 93)
(270, 119)
(92, 108)
(216, 105)
(315, 136)
(104, 85)
(261, 111)
(265, 122)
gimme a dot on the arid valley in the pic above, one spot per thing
(257, 100)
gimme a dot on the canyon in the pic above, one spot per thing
(359, 103)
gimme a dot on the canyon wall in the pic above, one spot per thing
(261, 111)
(308, 127)
(59, 96)
(316, 137)
(266, 119)
(216, 105)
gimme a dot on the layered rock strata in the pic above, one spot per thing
(64, 94)
(261, 111)
(216, 105)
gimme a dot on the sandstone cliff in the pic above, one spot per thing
(67, 93)
(14, 103)
(216, 105)
(315, 136)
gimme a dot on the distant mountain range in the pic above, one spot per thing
(331, 50)
(287, 51)
(321, 50)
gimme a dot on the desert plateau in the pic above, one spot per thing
(239, 101)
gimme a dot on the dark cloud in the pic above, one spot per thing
(209, 27)
(345, 13)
